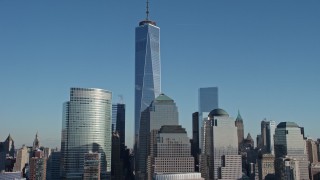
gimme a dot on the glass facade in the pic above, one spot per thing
(207, 101)
(147, 70)
(86, 127)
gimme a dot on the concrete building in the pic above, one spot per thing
(22, 159)
(290, 151)
(172, 152)
(266, 166)
(91, 166)
(11, 176)
(178, 176)
(38, 168)
(220, 159)
(312, 151)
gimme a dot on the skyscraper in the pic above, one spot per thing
(207, 100)
(22, 159)
(172, 151)
(240, 130)
(119, 117)
(86, 127)
(162, 111)
(147, 68)
(195, 150)
(219, 158)
(270, 130)
(290, 150)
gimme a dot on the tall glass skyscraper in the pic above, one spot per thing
(147, 69)
(86, 128)
(207, 100)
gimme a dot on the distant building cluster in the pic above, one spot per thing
(93, 135)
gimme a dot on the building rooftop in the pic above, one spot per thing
(172, 129)
(163, 97)
(218, 112)
(287, 124)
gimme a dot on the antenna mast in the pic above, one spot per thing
(147, 12)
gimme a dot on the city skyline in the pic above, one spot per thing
(263, 57)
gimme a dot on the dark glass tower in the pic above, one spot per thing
(119, 116)
(147, 70)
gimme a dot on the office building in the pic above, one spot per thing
(147, 73)
(38, 167)
(290, 151)
(172, 151)
(91, 167)
(178, 176)
(240, 130)
(266, 166)
(22, 159)
(195, 150)
(270, 130)
(119, 117)
(86, 127)
(116, 161)
(53, 165)
(162, 111)
(207, 100)
(36, 143)
(312, 149)
(219, 158)
(11, 176)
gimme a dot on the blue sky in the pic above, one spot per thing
(263, 55)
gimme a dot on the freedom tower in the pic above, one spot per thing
(147, 73)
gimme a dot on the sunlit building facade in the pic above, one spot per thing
(86, 127)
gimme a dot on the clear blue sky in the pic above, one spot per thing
(263, 55)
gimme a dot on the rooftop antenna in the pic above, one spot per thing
(147, 12)
(120, 98)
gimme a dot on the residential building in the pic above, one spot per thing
(22, 159)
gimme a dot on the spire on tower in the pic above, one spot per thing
(147, 12)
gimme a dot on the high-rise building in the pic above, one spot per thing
(119, 116)
(6, 150)
(312, 151)
(207, 100)
(290, 151)
(22, 159)
(270, 130)
(86, 127)
(266, 166)
(162, 111)
(91, 166)
(36, 143)
(195, 150)
(53, 165)
(147, 72)
(219, 158)
(240, 130)
(116, 162)
(264, 132)
(38, 167)
(172, 151)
